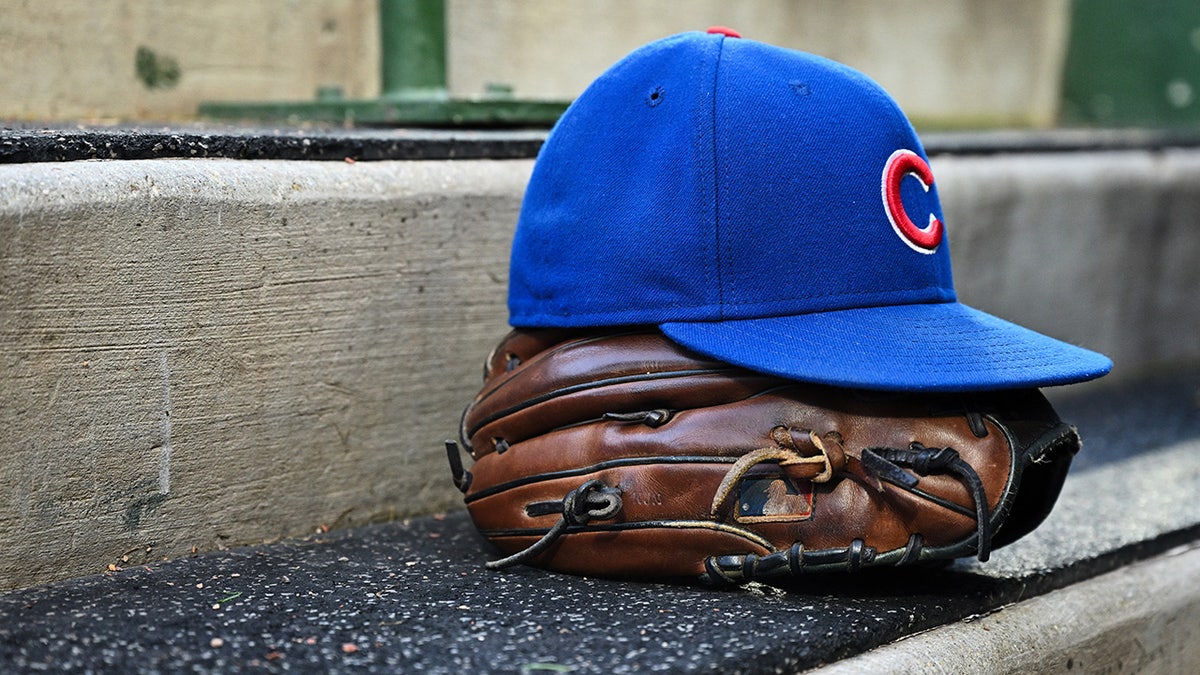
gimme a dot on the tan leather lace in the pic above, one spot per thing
(803, 454)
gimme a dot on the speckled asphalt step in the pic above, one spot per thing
(413, 596)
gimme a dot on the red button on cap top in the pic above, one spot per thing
(723, 30)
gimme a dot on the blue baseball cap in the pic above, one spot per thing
(764, 207)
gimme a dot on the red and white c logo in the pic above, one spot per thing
(904, 163)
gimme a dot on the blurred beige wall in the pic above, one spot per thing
(949, 62)
(75, 59)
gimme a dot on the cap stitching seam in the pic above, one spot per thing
(717, 253)
(790, 298)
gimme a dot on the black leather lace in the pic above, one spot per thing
(592, 500)
(887, 464)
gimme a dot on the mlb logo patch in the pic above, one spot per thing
(773, 497)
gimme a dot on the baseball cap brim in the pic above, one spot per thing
(919, 347)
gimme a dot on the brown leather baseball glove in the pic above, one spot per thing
(622, 454)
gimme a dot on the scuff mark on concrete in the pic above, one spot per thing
(142, 506)
(164, 457)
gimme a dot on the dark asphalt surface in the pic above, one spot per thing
(22, 142)
(413, 596)
(30, 143)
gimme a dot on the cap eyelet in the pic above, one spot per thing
(655, 96)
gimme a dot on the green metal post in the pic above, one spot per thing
(413, 49)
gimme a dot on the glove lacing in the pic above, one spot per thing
(885, 464)
(592, 500)
(805, 450)
(821, 453)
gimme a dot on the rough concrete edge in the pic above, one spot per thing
(1144, 616)
(284, 189)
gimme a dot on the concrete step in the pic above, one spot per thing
(203, 353)
(412, 596)
(1136, 619)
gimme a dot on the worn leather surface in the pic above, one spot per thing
(666, 428)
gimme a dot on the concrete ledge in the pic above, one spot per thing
(1096, 248)
(203, 353)
(197, 354)
(1141, 618)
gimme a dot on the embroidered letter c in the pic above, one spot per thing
(904, 163)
